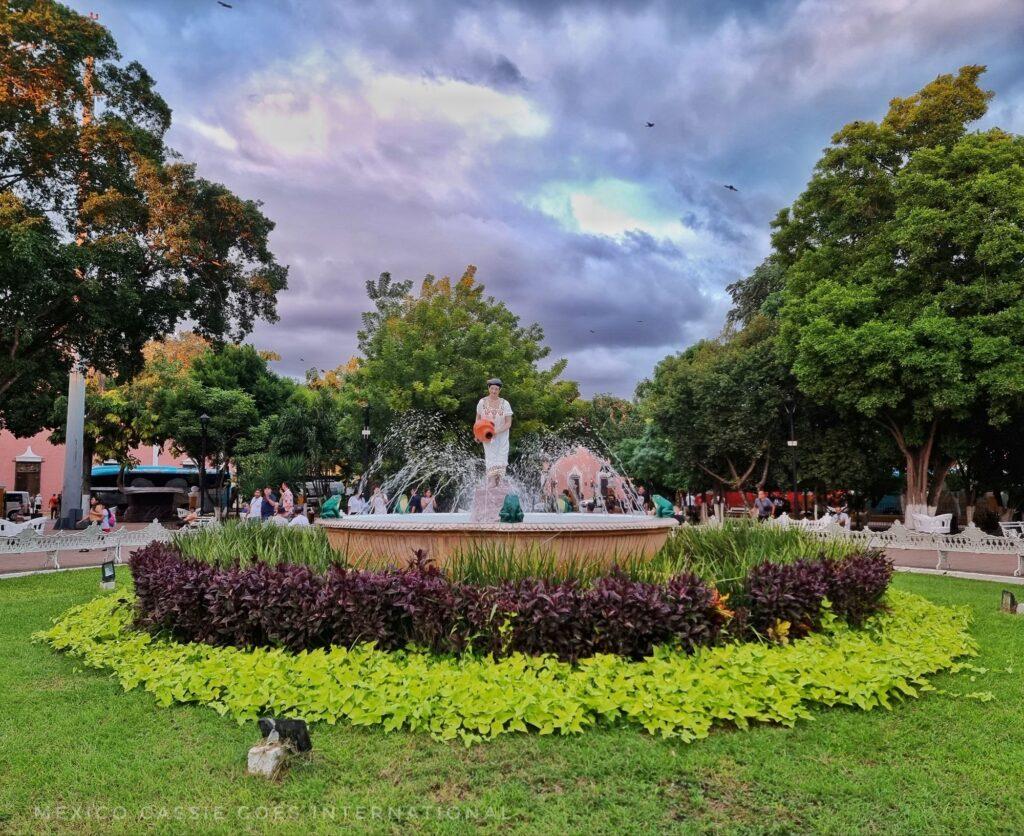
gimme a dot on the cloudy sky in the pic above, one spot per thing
(419, 137)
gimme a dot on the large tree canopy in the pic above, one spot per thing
(719, 405)
(434, 352)
(107, 239)
(904, 299)
(233, 385)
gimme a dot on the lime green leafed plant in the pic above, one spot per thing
(474, 698)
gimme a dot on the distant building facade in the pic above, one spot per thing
(36, 465)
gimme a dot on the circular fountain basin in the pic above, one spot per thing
(392, 538)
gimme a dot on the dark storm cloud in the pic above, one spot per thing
(426, 135)
(505, 74)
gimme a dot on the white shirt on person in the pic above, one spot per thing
(299, 520)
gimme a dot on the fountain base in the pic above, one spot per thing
(379, 540)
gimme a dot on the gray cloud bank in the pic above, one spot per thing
(420, 137)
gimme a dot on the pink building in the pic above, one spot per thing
(584, 473)
(37, 466)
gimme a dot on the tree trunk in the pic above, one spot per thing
(917, 486)
(923, 486)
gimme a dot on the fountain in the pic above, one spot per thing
(434, 454)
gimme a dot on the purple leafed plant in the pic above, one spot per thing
(294, 607)
(857, 584)
(790, 592)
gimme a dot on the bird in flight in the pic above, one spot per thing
(732, 188)
(225, 5)
(649, 124)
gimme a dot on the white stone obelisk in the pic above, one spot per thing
(73, 504)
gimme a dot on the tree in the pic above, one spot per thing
(434, 352)
(387, 297)
(312, 427)
(719, 405)
(35, 273)
(115, 239)
(233, 385)
(757, 294)
(648, 457)
(903, 300)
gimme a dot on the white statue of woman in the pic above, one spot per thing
(496, 409)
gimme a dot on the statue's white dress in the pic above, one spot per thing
(495, 450)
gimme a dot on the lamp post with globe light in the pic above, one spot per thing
(204, 420)
(790, 406)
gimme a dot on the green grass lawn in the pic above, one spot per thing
(76, 748)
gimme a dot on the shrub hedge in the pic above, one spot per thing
(297, 608)
(670, 693)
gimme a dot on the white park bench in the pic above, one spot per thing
(1012, 529)
(820, 524)
(29, 541)
(971, 540)
(13, 529)
(939, 524)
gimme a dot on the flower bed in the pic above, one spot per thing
(472, 697)
(298, 608)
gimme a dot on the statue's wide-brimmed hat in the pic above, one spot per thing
(494, 381)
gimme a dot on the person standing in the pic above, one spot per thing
(356, 503)
(54, 506)
(379, 501)
(498, 411)
(268, 507)
(287, 499)
(255, 505)
(428, 502)
(416, 502)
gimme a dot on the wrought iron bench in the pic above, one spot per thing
(13, 529)
(29, 541)
(898, 536)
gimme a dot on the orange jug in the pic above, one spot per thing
(483, 430)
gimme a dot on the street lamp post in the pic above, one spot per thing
(792, 443)
(204, 419)
(366, 439)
